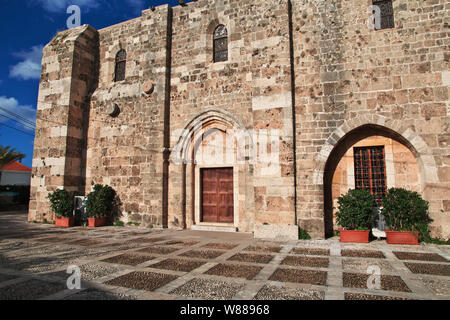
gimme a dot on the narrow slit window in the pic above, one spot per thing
(121, 62)
(220, 44)
(387, 13)
(370, 171)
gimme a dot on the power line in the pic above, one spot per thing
(50, 121)
(47, 120)
(18, 116)
(5, 125)
(18, 119)
(21, 123)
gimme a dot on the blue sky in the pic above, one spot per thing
(25, 27)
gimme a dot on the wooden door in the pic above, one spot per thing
(217, 195)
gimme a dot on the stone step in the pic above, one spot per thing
(213, 227)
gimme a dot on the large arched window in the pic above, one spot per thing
(220, 44)
(121, 61)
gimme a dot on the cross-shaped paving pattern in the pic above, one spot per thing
(137, 263)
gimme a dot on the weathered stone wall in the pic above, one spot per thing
(125, 152)
(251, 91)
(347, 75)
(313, 68)
(68, 75)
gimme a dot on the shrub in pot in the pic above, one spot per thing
(61, 204)
(99, 204)
(355, 215)
(406, 215)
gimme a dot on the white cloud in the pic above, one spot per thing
(30, 66)
(12, 105)
(61, 5)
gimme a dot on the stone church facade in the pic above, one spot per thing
(249, 115)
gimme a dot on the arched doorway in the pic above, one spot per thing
(372, 157)
(213, 150)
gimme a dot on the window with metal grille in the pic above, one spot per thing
(121, 61)
(370, 170)
(387, 13)
(220, 44)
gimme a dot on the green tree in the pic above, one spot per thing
(8, 155)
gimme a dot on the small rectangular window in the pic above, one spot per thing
(120, 71)
(370, 171)
(220, 43)
(387, 13)
(121, 61)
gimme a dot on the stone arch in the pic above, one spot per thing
(111, 53)
(206, 120)
(208, 129)
(212, 25)
(354, 130)
(413, 140)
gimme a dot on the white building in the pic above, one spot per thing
(15, 173)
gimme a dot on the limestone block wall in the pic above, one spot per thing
(68, 75)
(199, 85)
(126, 151)
(272, 111)
(251, 91)
(304, 80)
(347, 75)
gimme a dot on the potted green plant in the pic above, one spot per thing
(61, 204)
(406, 214)
(99, 204)
(355, 215)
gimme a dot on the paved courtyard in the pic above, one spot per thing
(137, 263)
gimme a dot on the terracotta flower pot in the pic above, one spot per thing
(402, 237)
(96, 222)
(64, 222)
(358, 236)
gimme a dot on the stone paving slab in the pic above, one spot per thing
(95, 294)
(429, 268)
(388, 282)
(306, 261)
(202, 254)
(208, 289)
(361, 265)
(264, 248)
(249, 257)
(30, 290)
(188, 264)
(362, 296)
(282, 293)
(142, 280)
(234, 270)
(185, 265)
(302, 276)
(311, 251)
(362, 253)
(419, 256)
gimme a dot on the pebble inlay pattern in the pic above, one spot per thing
(121, 263)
